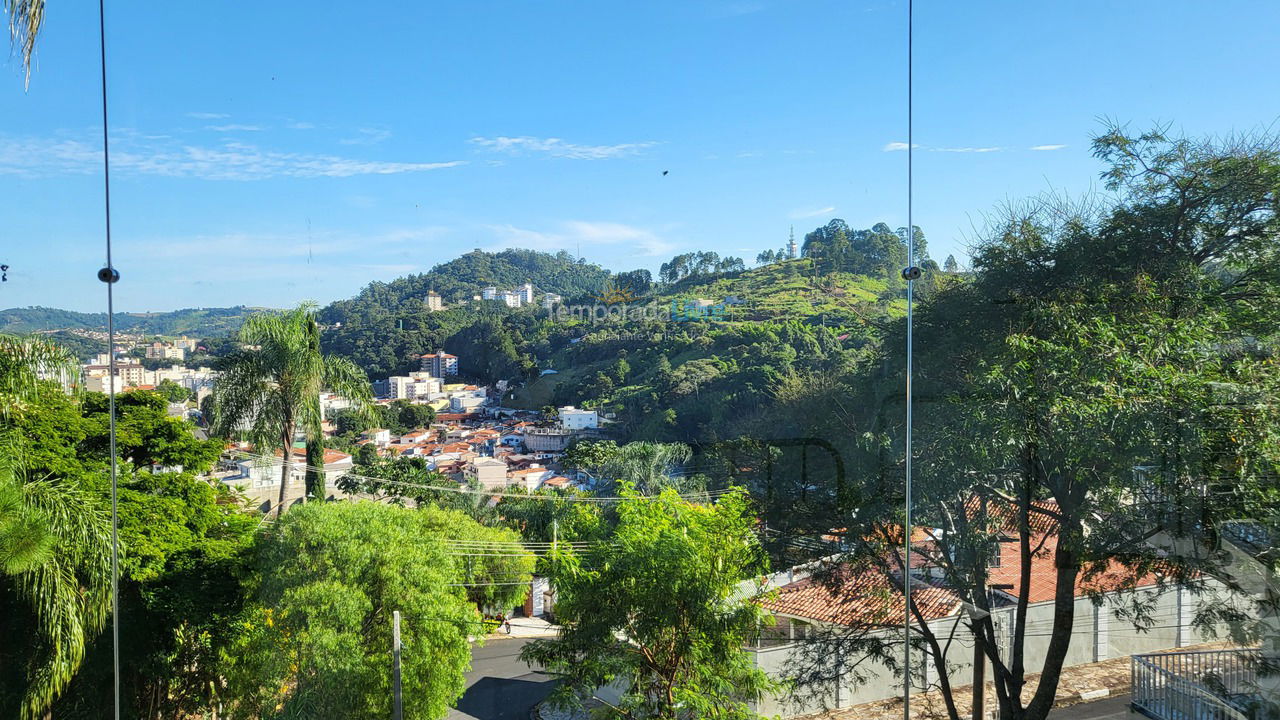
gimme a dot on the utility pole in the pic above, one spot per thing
(397, 702)
(979, 674)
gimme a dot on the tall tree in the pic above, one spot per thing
(54, 544)
(269, 391)
(316, 638)
(657, 610)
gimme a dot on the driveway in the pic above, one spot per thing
(1115, 707)
(500, 686)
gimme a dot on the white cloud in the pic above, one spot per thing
(367, 136)
(40, 157)
(270, 245)
(808, 213)
(233, 127)
(570, 234)
(555, 147)
(895, 146)
(208, 116)
(294, 125)
(1046, 147)
(967, 149)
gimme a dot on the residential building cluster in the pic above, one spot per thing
(519, 297)
(481, 447)
(97, 376)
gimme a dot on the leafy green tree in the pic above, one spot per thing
(590, 455)
(638, 282)
(621, 371)
(54, 544)
(316, 638)
(184, 544)
(950, 265)
(656, 609)
(173, 392)
(270, 390)
(1103, 374)
(145, 434)
(490, 561)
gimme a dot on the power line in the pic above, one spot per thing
(692, 497)
(109, 276)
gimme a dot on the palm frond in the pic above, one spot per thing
(25, 19)
(24, 363)
(69, 592)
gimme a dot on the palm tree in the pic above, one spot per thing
(651, 467)
(55, 538)
(269, 391)
(25, 19)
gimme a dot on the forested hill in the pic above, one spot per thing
(200, 322)
(462, 278)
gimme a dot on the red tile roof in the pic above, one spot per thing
(844, 596)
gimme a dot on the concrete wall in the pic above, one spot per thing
(1097, 634)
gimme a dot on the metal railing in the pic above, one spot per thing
(1204, 685)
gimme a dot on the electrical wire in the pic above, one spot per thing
(271, 460)
(911, 261)
(109, 276)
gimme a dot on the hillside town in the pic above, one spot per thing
(684, 360)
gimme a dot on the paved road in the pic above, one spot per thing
(1115, 707)
(500, 686)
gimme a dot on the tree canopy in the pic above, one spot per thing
(655, 610)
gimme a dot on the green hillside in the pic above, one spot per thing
(190, 321)
(693, 380)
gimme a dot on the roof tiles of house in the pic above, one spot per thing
(1044, 581)
(331, 456)
(455, 447)
(844, 596)
(558, 481)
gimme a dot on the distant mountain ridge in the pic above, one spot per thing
(201, 322)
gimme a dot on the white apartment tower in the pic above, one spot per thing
(526, 293)
(489, 293)
(433, 301)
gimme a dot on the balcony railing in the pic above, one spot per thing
(1206, 685)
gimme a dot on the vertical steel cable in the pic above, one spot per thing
(911, 263)
(108, 275)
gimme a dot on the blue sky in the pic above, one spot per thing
(305, 149)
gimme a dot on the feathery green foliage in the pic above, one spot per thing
(270, 390)
(316, 641)
(25, 19)
(656, 610)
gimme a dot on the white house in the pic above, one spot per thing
(259, 480)
(572, 418)
(379, 436)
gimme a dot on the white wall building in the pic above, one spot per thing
(489, 293)
(572, 418)
(526, 293)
